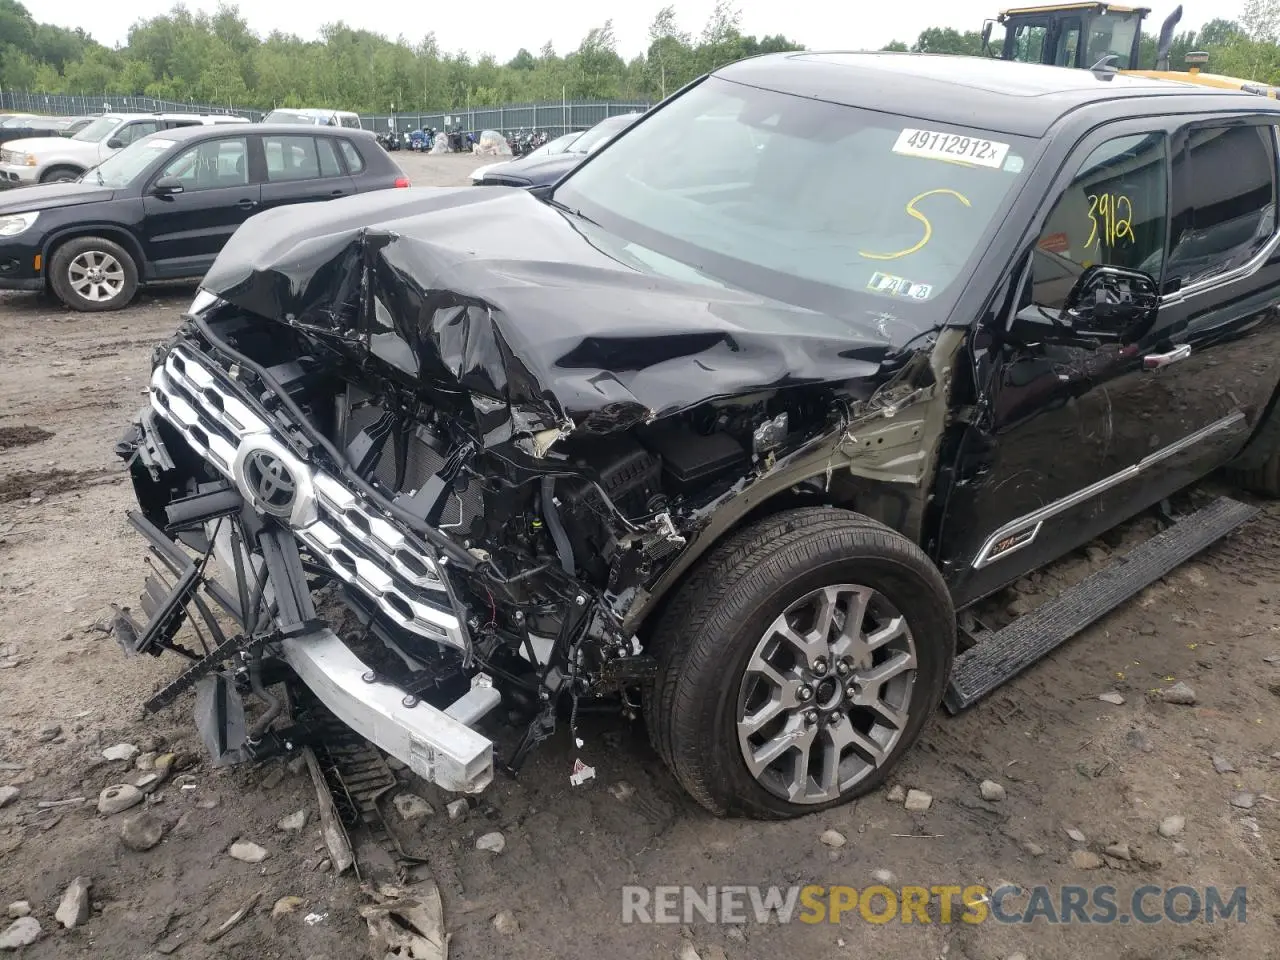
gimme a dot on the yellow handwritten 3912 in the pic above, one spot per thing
(1110, 219)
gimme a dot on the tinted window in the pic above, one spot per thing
(291, 158)
(353, 122)
(1112, 34)
(1028, 44)
(175, 124)
(328, 158)
(1224, 201)
(212, 164)
(136, 131)
(1114, 212)
(1068, 43)
(355, 162)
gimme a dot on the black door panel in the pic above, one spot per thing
(1076, 435)
(183, 232)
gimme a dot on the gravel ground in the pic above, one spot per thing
(1078, 774)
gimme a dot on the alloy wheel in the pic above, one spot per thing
(96, 276)
(825, 695)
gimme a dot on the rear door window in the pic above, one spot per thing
(1224, 201)
(290, 158)
(329, 166)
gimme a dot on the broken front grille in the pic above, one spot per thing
(358, 545)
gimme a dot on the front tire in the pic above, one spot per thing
(61, 175)
(93, 274)
(798, 663)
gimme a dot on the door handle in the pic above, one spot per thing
(247, 204)
(337, 193)
(1154, 361)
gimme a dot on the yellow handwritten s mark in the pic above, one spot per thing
(912, 211)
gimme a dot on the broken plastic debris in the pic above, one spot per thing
(581, 773)
(314, 918)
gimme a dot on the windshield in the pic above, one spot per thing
(553, 147)
(799, 199)
(98, 129)
(599, 134)
(122, 167)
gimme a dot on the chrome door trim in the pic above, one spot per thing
(1250, 267)
(988, 554)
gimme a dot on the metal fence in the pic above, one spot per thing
(553, 118)
(77, 105)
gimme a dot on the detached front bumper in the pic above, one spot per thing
(195, 406)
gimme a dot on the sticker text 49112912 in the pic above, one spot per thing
(936, 145)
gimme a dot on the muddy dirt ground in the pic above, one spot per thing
(1066, 759)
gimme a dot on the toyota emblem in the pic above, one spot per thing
(269, 480)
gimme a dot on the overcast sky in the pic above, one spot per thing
(502, 27)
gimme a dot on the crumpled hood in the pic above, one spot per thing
(517, 303)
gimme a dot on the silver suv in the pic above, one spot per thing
(50, 159)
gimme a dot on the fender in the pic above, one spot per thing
(91, 229)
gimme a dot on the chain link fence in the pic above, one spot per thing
(553, 118)
(77, 105)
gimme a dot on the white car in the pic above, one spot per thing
(313, 117)
(51, 159)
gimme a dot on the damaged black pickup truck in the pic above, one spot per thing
(724, 429)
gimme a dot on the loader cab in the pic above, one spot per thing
(1071, 34)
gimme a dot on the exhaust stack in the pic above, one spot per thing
(1166, 38)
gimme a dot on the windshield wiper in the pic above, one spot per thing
(571, 211)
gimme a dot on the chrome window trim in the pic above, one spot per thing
(1247, 269)
(985, 558)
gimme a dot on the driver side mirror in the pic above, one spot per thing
(115, 143)
(1111, 303)
(986, 37)
(167, 187)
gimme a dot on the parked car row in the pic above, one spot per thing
(57, 159)
(546, 164)
(23, 126)
(163, 206)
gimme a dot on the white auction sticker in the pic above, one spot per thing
(937, 145)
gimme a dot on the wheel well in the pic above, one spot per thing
(114, 234)
(61, 166)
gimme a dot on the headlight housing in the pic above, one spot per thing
(12, 224)
(30, 160)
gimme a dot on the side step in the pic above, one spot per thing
(1010, 650)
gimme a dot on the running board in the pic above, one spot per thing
(1005, 653)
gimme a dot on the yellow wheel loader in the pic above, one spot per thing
(1101, 37)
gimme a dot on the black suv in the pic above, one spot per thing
(163, 207)
(730, 439)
